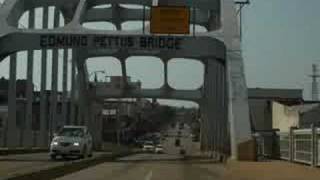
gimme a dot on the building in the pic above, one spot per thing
(115, 83)
(261, 104)
(118, 116)
(21, 86)
(21, 103)
(300, 116)
(281, 109)
(310, 117)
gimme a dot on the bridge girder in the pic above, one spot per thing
(223, 95)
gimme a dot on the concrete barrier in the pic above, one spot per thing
(57, 171)
(7, 151)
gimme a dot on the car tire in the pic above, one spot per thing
(90, 154)
(53, 157)
(84, 153)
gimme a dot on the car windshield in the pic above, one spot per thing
(71, 132)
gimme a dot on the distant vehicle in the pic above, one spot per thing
(173, 125)
(148, 146)
(158, 149)
(177, 142)
(139, 142)
(195, 138)
(71, 141)
(181, 126)
(179, 133)
(182, 151)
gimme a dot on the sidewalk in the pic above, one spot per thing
(273, 170)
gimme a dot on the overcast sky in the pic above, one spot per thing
(280, 42)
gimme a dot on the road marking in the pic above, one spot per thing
(148, 176)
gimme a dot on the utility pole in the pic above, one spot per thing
(314, 76)
(239, 13)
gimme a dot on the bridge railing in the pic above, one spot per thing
(284, 146)
(267, 143)
(300, 145)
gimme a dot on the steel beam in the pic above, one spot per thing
(73, 89)
(44, 136)
(27, 128)
(54, 81)
(12, 131)
(65, 87)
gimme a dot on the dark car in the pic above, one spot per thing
(181, 126)
(182, 151)
(177, 143)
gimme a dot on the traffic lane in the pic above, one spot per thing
(185, 142)
(26, 163)
(151, 157)
(115, 170)
(155, 170)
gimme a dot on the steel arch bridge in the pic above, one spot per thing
(222, 98)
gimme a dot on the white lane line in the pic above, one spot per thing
(148, 176)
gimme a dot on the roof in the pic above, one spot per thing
(264, 93)
(305, 107)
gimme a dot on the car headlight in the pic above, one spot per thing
(76, 144)
(55, 143)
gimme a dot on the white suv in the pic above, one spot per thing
(148, 146)
(71, 141)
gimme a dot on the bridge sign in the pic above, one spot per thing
(170, 20)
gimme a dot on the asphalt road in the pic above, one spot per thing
(149, 167)
(168, 166)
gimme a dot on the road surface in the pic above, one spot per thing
(168, 166)
(150, 167)
(24, 163)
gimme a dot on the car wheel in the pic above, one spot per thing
(53, 157)
(84, 153)
(90, 154)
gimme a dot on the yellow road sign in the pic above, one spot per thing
(170, 20)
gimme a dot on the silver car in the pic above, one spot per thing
(71, 141)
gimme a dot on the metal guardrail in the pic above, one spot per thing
(284, 145)
(300, 145)
(265, 145)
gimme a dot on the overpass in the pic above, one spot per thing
(222, 97)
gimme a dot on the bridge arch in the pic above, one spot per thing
(224, 87)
